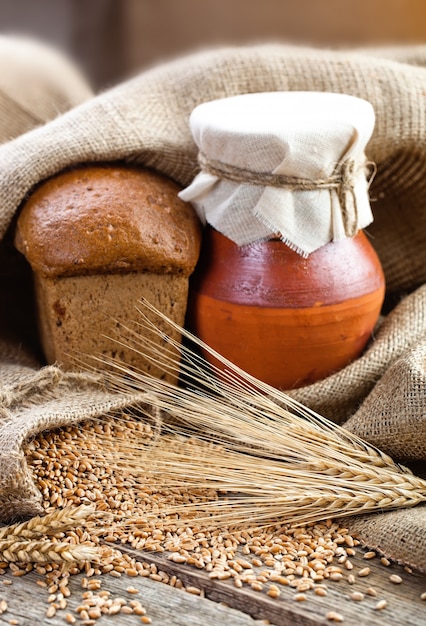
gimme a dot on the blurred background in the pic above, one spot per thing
(114, 39)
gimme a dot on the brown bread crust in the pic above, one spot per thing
(108, 219)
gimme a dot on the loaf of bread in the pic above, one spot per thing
(98, 238)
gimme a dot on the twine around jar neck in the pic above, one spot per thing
(342, 180)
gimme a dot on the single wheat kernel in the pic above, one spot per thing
(371, 592)
(127, 610)
(51, 612)
(320, 591)
(132, 590)
(145, 619)
(351, 579)
(194, 590)
(395, 579)
(365, 571)
(114, 609)
(93, 581)
(244, 564)
(177, 558)
(262, 579)
(139, 610)
(273, 592)
(382, 604)
(332, 616)
(70, 619)
(357, 596)
(369, 555)
(3, 606)
(299, 597)
(156, 577)
(336, 576)
(384, 561)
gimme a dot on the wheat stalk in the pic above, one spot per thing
(267, 456)
(32, 542)
(45, 551)
(58, 520)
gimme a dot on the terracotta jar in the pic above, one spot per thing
(286, 319)
(288, 286)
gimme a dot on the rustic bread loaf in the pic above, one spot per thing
(98, 238)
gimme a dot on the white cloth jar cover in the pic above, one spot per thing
(286, 164)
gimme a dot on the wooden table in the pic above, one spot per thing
(222, 603)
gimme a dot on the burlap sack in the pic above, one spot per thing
(400, 396)
(36, 85)
(146, 121)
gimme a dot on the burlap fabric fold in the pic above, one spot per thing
(146, 121)
(36, 85)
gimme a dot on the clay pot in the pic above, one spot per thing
(287, 320)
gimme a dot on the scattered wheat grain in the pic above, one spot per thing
(365, 571)
(357, 596)
(273, 592)
(320, 591)
(332, 616)
(395, 579)
(382, 604)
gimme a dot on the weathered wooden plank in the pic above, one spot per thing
(404, 606)
(27, 603)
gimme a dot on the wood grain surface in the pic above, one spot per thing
(222, 603)
(404, 605)
(27, 603)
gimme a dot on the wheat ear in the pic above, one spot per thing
(57, 521)
(267, 456)
(45, 551)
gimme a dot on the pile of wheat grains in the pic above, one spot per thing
(75, 465)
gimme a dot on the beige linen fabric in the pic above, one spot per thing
(257, 177)
(146, 121)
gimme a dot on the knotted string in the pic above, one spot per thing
(342, 180)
